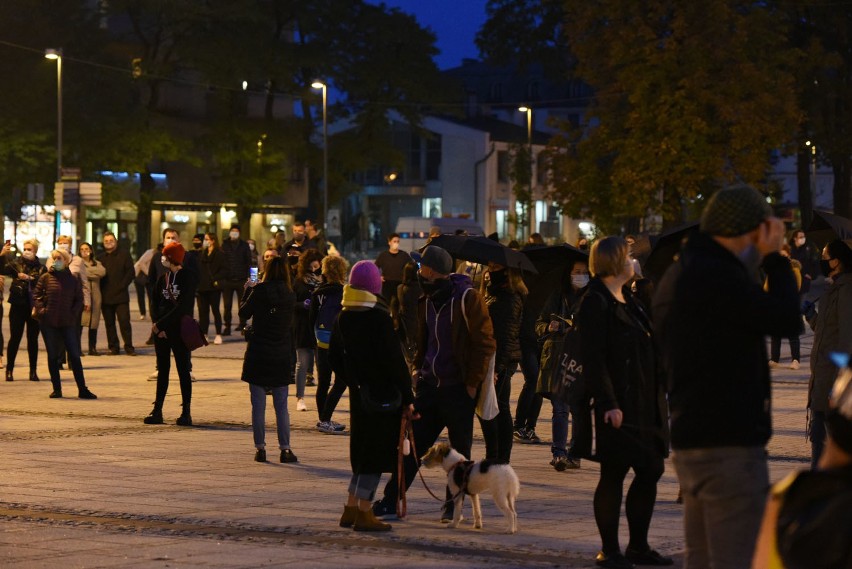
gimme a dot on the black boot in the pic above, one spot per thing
(156, 416)
(93, 342)
(9, 375)
(185, 419)
(34, 375)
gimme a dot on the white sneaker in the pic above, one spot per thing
(773, 363)
(794, 364)
(153, 376)
(141, 317)
(192, 377)
(217, 340)
(300, 405)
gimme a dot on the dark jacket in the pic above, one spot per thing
(156, 268)
(303, 330)
(505, 308)
(832, 333)
(21, 290)
(119, 275)
(173, 298)
(621, 372)
(712, 319)
(238, 257)
(213, 270)
(364, 350)
(59, 296)
(408, 295)
(267, 360)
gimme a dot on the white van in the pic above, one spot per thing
(414, 231)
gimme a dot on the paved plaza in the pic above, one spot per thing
(87, 484)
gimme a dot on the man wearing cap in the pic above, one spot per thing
(174, 297)
(455, 344)
(712, 317)
(238, 254)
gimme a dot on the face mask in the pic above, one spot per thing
(431, 288)
(165, 261)
(234, 235)
(206, 244)
(29, 255)
(800, 241)
(64, 247)
(168, 240)
(58, 265)
(499, 278)
(825, 267)
(317, 272)
(579, 281)
(251, 246)
(196, 245)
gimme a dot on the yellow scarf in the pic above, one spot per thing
(357, 298)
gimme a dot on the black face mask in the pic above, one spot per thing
(196, 245)
(499, 278)
(317, 272)
(431, 288)
(825, 267)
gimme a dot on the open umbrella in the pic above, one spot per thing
(665, 249)
(483, 251)
(552, 264)
(826, 227)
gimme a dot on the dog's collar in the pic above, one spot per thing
(462, 477)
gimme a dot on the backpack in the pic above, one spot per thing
(328, 302)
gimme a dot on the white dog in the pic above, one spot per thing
(468, 477)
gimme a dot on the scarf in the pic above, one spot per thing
(357, 298)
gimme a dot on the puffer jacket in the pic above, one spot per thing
(20, 291)
(505, 308)
(59, 297)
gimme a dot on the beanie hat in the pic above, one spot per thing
(366, 276)
(174, 252)
(437, 259)
(734, 211)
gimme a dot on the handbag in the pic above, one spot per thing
(86, 318)
(191, 334)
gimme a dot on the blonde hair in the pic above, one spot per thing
(335, 269)
(66, 256)
(33, 242)
(608, 257)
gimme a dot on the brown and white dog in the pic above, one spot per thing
(473, 478)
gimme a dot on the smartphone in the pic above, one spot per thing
(253, 274)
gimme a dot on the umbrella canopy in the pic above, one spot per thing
(665, 250)
(483, 251)
(552, 264)
(826, 227)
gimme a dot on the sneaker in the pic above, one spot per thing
(260, 455)
(519, 434)
(131, 351)
(559, 463)
(794, 364)
(153, 376)
(382, 508)
(773, 363)
(300, 405)
(218, 339)
(325, 427)
(141, 317)
(530, 438)
(338, 428)
(287, 456)
(573, 463)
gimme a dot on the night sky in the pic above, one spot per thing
(455, 22)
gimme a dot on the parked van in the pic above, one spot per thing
(414, 231)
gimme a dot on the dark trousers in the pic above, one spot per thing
(141, 296)
(640, 501)
(229, 289)
(529, 402)
(450, 408)
(816, 434)
(498, 431)
(207, 301)
(327, 399)
(19, 317)
(164, 348)
(56, 339)
(795, 348)
(122, 312)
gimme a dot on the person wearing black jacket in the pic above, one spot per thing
(238, 257)
(712, 317)
(504, 297)
(25, 271)
(623, 377)
(266, 365)
(173, 298)
(211, 277)
(115, 298)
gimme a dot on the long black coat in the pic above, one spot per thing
(267, 361)
(119, 274)
(621, 371)
(372, 357)
(213, 270)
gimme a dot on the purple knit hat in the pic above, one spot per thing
(366, 276)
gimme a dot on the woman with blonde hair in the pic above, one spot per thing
(25, 271)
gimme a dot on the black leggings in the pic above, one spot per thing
(328, 395)
(207, 301)
(498, 431)
(19, 317)
(641, 497)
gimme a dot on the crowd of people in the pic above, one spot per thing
(678, 365)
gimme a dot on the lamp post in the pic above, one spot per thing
(324, 87)
(56, 55)
(528, 111)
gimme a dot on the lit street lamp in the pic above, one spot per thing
(324, 87)
(56, 55)
(528, 111)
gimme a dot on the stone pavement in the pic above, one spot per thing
(87, 484)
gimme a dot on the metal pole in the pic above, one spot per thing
(325, 159)
(529, 142)
(59, 118)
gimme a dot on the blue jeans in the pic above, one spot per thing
(304, 364)
(258, 415)
(364, 486)
(724, 493)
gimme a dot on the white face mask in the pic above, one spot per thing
(800, 241)
(206, 244)
(579, 281)
(251, 246)
(234, 235)
(165, 261)
(29, 255)
(64, 247)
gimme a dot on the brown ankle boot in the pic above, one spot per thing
(350, 513)
(367, 521)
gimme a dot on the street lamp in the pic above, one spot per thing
(56, 55)
(528, 111)
(324, 87)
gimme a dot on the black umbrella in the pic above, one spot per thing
(552, 263)
(483, 251)
(665, 249)
(826, 227)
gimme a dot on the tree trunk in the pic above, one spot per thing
(143, 212)
(803, 178)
